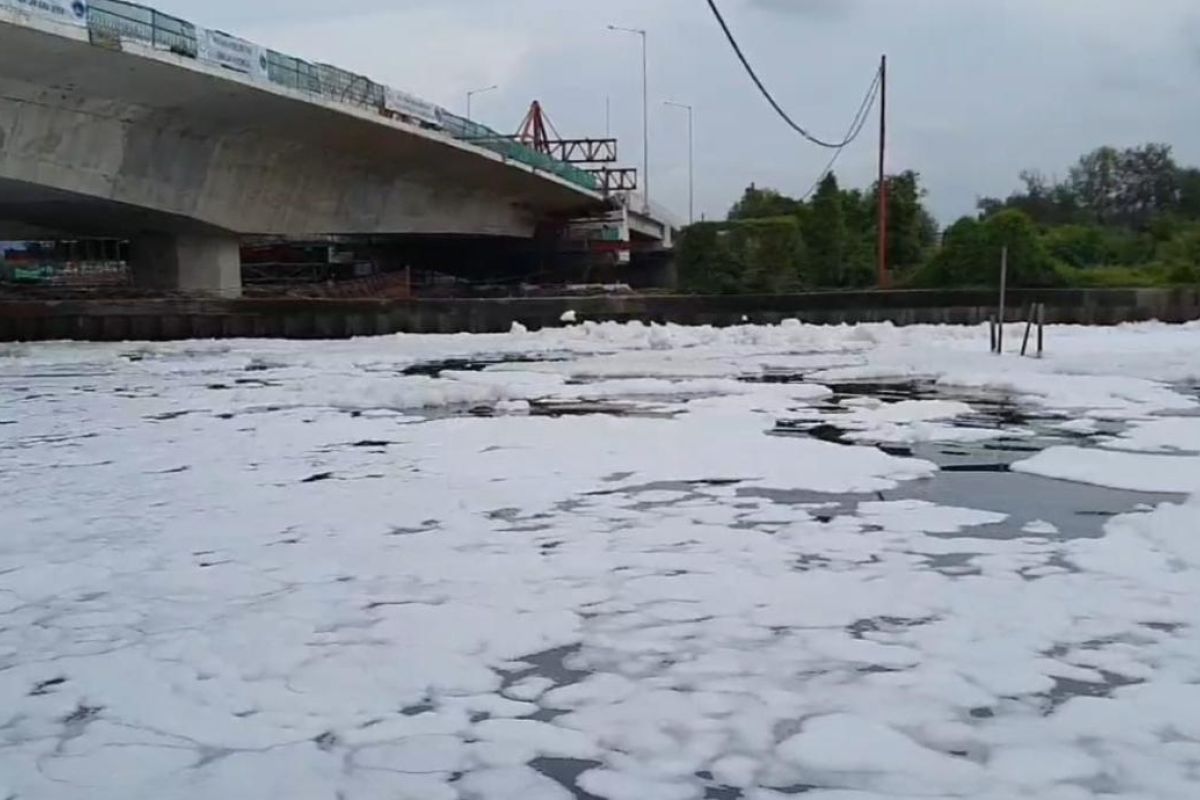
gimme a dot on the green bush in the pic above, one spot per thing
(1078, 246)
(1183, 249)
(970, 255)
(1185, 274)
(1145, 276)
(705, 266)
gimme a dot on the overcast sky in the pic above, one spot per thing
(980, 88)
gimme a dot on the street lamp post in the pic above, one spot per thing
(691, 158)
(471, 94)
(645, 112)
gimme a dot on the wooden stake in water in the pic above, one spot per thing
(1003, 297)
(1030, 311)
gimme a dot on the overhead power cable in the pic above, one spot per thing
(737, 48)
(856, 128)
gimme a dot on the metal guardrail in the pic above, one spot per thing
(127, 20)
(118, 19)
(483, 136)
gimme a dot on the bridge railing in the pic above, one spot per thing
(483, 136)
(293, 73)
(128, 20)
(119, 19)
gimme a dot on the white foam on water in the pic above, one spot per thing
(1136, 472)
(624, 786)
(1176, 434)
(251, 564)
(918, 516)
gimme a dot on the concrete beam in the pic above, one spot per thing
(191, 263)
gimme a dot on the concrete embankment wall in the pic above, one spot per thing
(146, 319)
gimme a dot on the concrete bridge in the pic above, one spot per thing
(105, 131)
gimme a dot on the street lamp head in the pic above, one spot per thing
(471, 96)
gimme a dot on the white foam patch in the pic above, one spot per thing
(1079, 426)
(1104, 397)
(624, 786)
(919, 516)
(1038, 766)
(910, 422)
(918, 432)
(541, 739)
(853, 750)
(1177, 434)
(1116, 470)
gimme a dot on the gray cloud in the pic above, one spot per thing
(816, 9)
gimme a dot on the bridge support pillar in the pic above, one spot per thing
(197, 263)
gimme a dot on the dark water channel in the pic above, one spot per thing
(979, 475)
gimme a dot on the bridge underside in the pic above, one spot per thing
(168, 251)
(28, 206)
(185, 159)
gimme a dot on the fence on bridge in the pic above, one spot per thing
(116, 20)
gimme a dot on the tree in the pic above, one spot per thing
(1149, 184)
(1029, 264)
(1043, 200)
(912, 230)
(957, 262)
(763, 204)
(1129, 187)
(825, 233)
(1096, 181)
(772, 254)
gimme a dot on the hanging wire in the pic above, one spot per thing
(856, 128)
(737, 48)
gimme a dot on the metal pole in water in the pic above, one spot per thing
(992, 331)
(1003, 297)
(1041, 329)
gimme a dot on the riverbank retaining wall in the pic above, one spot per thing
(177, 318)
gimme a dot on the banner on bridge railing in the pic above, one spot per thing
(232, 53)
(407, 105)
(71, 12)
